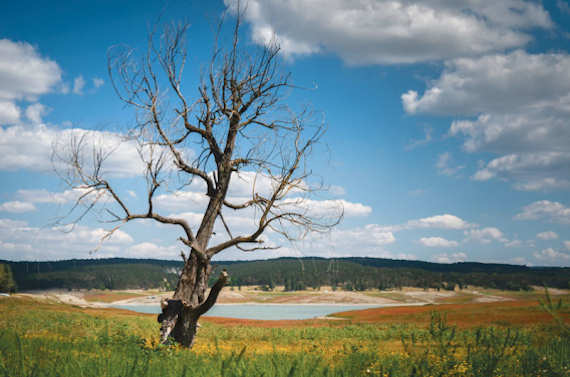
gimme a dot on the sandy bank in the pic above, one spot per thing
(250, 295)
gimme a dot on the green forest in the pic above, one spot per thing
(7, 284)
(291, 273)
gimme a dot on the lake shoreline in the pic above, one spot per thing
(272, 312)
(255, 296)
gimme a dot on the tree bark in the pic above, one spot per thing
(179, 317)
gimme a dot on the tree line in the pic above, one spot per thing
(290, 273)
(7, 283)
(372, 273)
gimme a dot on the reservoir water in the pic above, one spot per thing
(264, 311)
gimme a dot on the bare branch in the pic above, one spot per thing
(213, 296)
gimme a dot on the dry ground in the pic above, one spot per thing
(231, 295)
(467, 308)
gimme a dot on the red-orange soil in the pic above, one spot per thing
(522, 312)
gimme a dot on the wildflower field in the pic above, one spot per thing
(51, 339)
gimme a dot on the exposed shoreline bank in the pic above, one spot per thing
(252, 296)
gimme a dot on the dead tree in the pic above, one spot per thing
(237, 122)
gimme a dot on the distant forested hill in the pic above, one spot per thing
(114, 273)
(364, 273)
(293, 273)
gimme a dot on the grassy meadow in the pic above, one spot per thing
(511, 338)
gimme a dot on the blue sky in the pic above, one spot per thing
(448, 123)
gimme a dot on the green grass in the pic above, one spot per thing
(48, 339)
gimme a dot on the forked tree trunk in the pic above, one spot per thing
(179, 317)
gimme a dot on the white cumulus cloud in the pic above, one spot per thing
(437, 242)
(545, 210)
(152, 250)
(20, 241)
(549, 235)
(24, 73)
(31, 148)
(445, 221)
(449, 258)
(524, 122)
(35, 112)
(392, 31)
(45, 196)
(485, 235)
(9, 113)
(17, 207)
(552, 257)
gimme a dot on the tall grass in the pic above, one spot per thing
(40, 339)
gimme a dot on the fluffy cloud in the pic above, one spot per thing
(193, 201)
(24, 73)
(446, 221)
(326, 208)
(20, 241)
(514, 243)
(152, 250)
(368, 240)
(525, 131)
(31, 148)
(437, 242)
(485, 235)
(545, 209)
(45, 196)
(370, 234)
(547, 235)
(182, 201)
(390, 32)
(24, 76)
(9, 113)
(567, 245)
(524, 121)
(551, 256)
(450, 258)
(530, 171)
(239, 223)
(17, 207)
(41, 196)
(35, 112)
(492, 84)
(244, 184)
(246, 221)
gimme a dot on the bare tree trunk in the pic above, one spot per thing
(179, 317)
